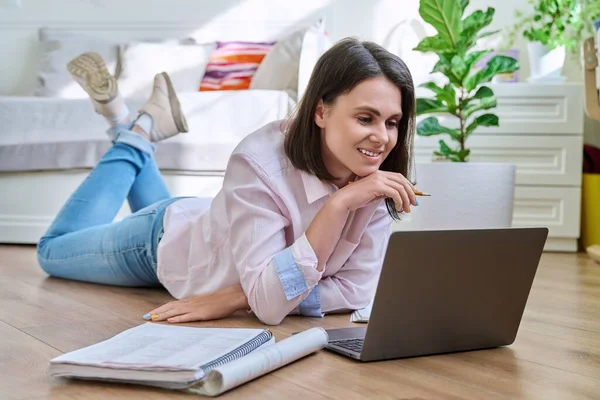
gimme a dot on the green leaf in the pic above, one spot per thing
(449, 97)
(484, 104)
(497, 65)
(429, 106)
(445, 149)
(478, 20)
(431, 127)
(471, 26)
(462, 155)
(459, 69)
(444, 65)
(451, 154)
(482, 120)
(485, 34)
(464, 4)
(472, 58)
(444, 16)
(435, 44)
(481, 93)
(447, 94)
(451, 157)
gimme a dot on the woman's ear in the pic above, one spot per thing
(320, 114)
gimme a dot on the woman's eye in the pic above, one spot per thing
(392, 124)
(364, 120)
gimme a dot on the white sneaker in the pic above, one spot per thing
(164, 108)
(89, 70)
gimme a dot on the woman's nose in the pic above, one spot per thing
(380, 135)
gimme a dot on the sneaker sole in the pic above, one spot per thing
(89, 69)
(178, 117)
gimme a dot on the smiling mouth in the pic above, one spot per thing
(370, 153)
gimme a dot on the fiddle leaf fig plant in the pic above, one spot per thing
(464, 96)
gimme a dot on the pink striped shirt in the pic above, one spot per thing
(253, 234)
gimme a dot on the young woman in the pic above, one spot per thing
(301, 223)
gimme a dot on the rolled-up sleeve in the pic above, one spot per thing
(311, 305)
(291, 276)
(276, 277)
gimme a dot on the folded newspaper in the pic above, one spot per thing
(206, 361)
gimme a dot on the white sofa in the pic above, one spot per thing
(49, 144)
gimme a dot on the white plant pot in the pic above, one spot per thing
(467, 195)
(545, 65)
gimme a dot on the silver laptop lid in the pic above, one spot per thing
(446, 291)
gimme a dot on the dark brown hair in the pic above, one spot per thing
(338, 71)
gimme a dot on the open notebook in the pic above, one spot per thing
(206, 361)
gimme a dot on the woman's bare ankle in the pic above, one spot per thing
(138, 129)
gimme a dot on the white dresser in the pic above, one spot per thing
(541, 132)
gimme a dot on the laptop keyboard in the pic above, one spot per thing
(350, 344)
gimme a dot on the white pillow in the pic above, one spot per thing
(139, 62)
(57, 48)
(280, 69)
(402, 39)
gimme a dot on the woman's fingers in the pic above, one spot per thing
(405, 199)
(168, 314)
(409, 187)
(392, 192)
(163, 308)
(410, 192)
(401, 191)
(165, 311)
(189, 317)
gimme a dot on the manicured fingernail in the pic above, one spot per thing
(417, 202)
(146, 316)
(154, 317)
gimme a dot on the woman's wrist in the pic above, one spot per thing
(338, 203)
(241, 300)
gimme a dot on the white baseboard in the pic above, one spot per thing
(31, 200)
(567, 245)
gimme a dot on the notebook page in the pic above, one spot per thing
(261, 362)
(161, 347)
(363, 314)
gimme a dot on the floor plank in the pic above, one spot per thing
(556, 354)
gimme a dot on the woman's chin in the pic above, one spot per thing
(363, 171)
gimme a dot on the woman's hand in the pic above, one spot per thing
(207, 307)
(380, 184)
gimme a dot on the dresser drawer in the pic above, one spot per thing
(553, 160)
(558, 209)
(532, 109)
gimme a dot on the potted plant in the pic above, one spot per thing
(464, 194)
(554, 28)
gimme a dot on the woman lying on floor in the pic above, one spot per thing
(301, 223)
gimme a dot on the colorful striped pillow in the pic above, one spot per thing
(232, 64)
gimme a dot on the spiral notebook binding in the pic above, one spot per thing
(239, 352)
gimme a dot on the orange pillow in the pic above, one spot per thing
(232, 64)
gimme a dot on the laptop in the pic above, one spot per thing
(446, 291)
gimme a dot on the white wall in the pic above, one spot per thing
(126, 20)
(139, 19)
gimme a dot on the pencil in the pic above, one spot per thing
(419, 193)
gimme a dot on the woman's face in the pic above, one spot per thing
(359, 129)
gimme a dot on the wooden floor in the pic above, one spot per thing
(556, 354)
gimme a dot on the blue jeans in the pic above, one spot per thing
(83, 243)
